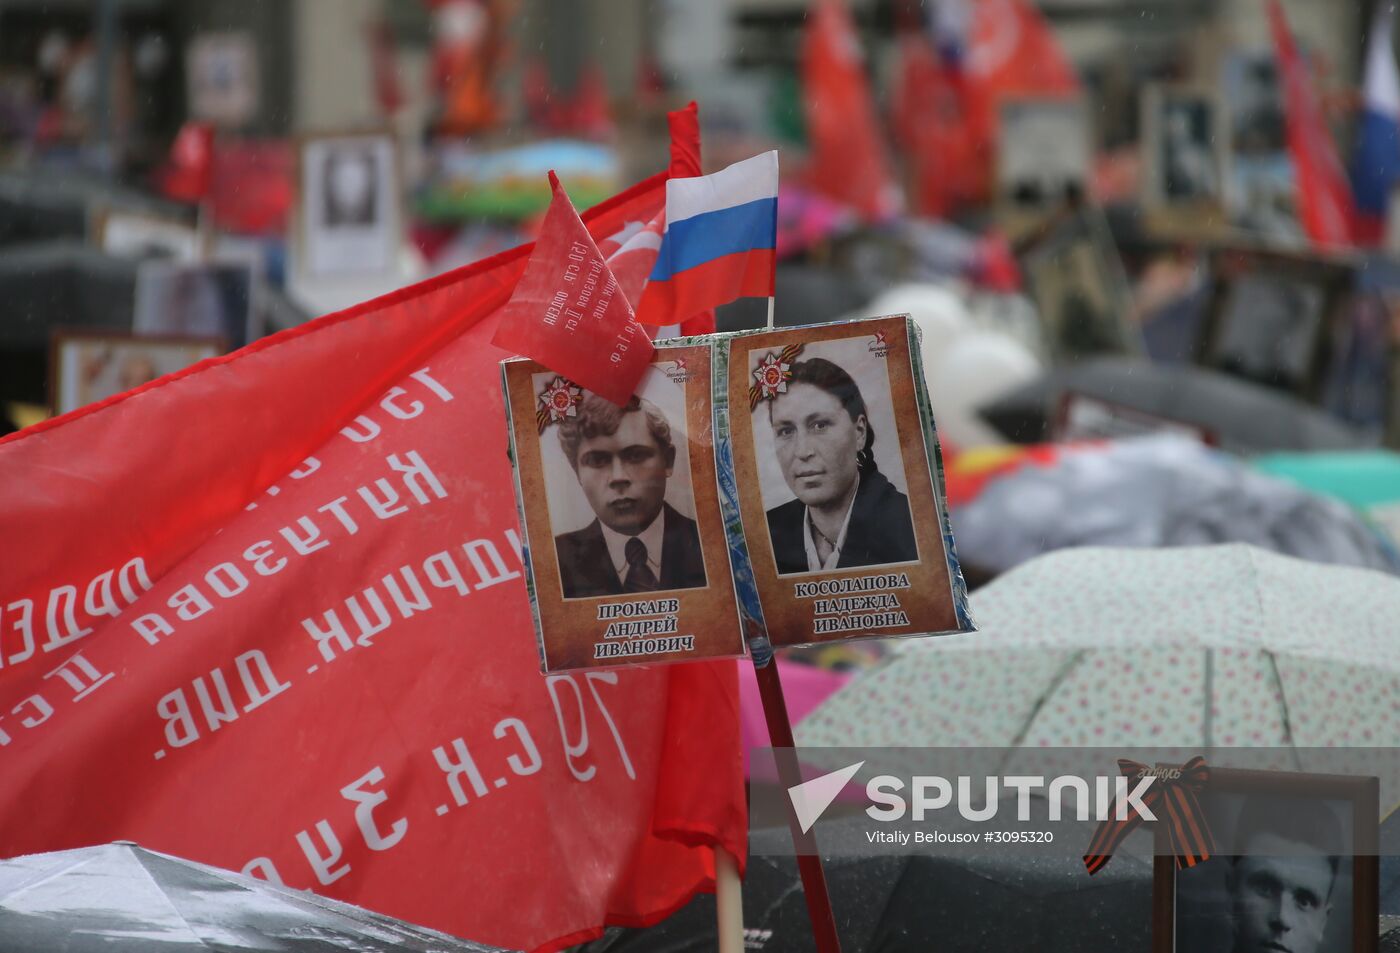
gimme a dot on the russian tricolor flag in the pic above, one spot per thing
(1376, 162)
(719, 243)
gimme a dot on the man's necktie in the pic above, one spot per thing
(640, 578)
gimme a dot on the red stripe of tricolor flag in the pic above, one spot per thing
(742, 275)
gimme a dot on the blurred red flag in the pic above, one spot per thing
(188, 175)
(268, 614)
(568, 312)
(1011, 52)
(848, 160)
(252, 190)
(930, 124)
(1324, 195)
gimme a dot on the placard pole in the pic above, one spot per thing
(770, 312)
(809, 862)
(729, 903)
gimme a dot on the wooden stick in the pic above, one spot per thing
(809, 862)
(770, 312)
(729, 904)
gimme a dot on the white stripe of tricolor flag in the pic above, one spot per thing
(739, 184)
(749, 180)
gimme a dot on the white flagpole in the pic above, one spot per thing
(729, 904)
(770, 312)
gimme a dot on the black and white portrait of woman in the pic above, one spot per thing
(835, 445)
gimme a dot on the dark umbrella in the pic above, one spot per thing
(47, 206)
(62, 284)
(120, 898)
(68, 284)
(1245, 417)
(55, 284)
(920, 902)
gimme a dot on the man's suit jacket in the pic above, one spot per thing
(586, 567)
(880, 531)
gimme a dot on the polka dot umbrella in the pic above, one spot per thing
(1192, 648)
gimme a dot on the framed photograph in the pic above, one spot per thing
(626, 549)
(1043, 154)
(211, 299)
(142, 235)
(1270, 316)
(1186, 148)
(1296, 871)
(88, 366)
(836, 473)
(349, 214)
(1253, 96)
(1262, 192)
(1076, 279)
(221, 75)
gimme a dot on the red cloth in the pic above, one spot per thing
(1324, 196)
(311, 547)
(189, 174)
(848, 161)
(252, 188)
(568, 313)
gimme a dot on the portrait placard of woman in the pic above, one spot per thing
(835, 456)
(845, 512)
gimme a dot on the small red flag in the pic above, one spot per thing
(848, 152)
(1324, 197)
(189, 175)
(568, 312)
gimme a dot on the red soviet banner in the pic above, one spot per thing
(269, 615)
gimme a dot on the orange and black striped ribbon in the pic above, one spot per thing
(1176, 798)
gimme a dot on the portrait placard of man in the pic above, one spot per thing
(623, 458)
(1279, 887)
(1283, 876)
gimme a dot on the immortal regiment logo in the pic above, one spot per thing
(1120, 804)
(878, 345)
(772, 374)
(559, 399)
(676, 371)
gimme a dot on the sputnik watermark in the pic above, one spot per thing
(1107, 797)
